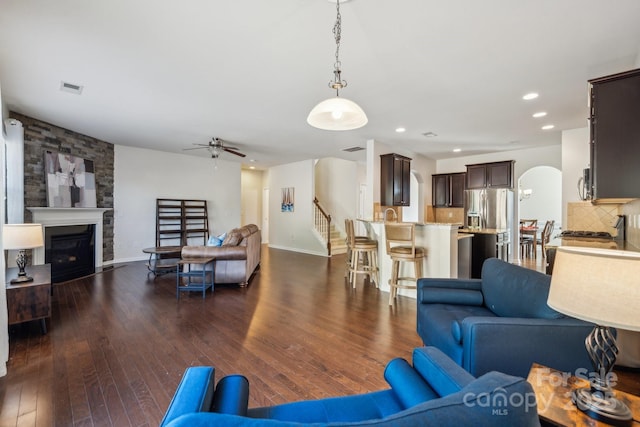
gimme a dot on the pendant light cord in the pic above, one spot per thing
(338, 83)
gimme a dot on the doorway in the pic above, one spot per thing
(540, 196)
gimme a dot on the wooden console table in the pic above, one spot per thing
(553, 395)
(31, 300)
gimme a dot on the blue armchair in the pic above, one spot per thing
(500, 322)
(434, 391)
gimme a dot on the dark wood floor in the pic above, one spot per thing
(119, 342)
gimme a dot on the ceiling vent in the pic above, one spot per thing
(430, 134)
(71, 88)
(353, 149)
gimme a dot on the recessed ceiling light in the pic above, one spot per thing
(252, 160)
(547, 127)
(540, 114)
(400, 129)
(530, 96)
(457, 150)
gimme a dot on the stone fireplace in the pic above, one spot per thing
(61, 217)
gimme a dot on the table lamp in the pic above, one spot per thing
(601, 286)
(20, 237)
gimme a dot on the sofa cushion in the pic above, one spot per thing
(513, 291)
(233, 238)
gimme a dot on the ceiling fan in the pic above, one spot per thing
(216, 146)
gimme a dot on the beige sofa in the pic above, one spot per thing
(236, 259)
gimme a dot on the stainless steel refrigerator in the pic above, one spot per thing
(493, 206)
(492, 210)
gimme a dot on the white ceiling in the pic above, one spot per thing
(165, 75)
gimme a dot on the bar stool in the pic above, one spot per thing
(349, 229)
(361, 248)
(401, 247)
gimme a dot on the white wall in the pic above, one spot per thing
(575, 157)
(251, 197)
(142, 176)
(336, 186)
(525, 159)
(293, 230)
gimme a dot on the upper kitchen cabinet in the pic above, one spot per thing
(490, 175)
(395, 176)
(615, 136)
(448, 190)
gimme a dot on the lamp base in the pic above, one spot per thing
(21, 279)
(602, 406)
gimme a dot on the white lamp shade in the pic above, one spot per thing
(601, 286)
(337, 114)
(22, 236)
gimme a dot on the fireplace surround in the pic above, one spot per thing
(55, 217)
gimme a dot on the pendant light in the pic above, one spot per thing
(337, 113)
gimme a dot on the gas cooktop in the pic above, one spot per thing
(587, 234)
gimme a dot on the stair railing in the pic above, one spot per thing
(322, 223)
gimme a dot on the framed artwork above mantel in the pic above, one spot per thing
(71, 181)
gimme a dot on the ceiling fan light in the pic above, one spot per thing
(337, 114)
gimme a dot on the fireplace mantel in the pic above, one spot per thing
(54, 217)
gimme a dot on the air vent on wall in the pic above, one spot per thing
(353, 149)
(71, 88)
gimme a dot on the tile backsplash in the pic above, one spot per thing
(450, 215)
(584, 216)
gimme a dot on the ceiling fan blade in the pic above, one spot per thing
(195, 148)
(237, 153)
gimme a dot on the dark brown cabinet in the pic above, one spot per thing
(395, 176)
(615, 136)
(490, 175)
(448, 190)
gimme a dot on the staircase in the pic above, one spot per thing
(338, 241)
(327, 231)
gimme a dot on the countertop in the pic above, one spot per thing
(464, 235)
(483, 230)
(379, 221)
(592, 243)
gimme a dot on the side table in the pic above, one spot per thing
(184, 271)
(553, 395)
(163, 259)
(31, 300)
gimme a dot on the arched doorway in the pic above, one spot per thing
(540, 196)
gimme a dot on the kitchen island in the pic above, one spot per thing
(440, 241)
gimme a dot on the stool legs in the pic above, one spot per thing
(364, 261)
(395, 277)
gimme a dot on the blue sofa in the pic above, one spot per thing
(434, 391)
(500, 322)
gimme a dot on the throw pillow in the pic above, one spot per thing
(216, 240)
(513, 291)
(233, 238)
